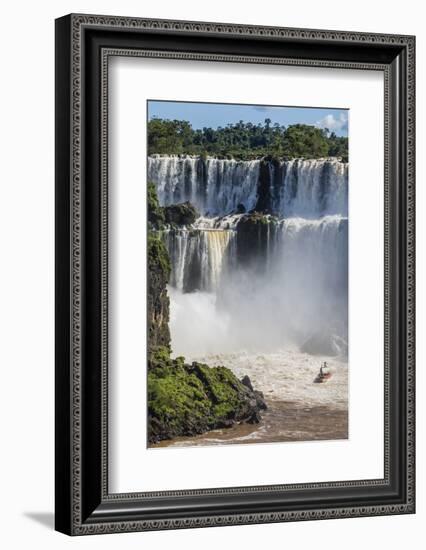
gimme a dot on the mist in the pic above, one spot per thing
(284, 283)
(295, 295)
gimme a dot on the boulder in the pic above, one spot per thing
(325, 342)
(247, 382)
(185, 400)
(181, 214)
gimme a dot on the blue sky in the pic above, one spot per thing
(220, 114)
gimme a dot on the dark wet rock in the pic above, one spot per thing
(181, 214)
(186, 400)
(260, 400)
(264, 199)
(327, 343)
(254, 231)
(247, 382)
(225, 424)
(241, 209)
(255, 418)
(158, 299)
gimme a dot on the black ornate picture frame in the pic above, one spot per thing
(84, 43)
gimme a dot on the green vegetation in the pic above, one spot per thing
(244, 140)
(184, 399)
(158, 257)
(160, 357)
(338, 147)
(175, 214)
(191, 399)
(155, 211)
(181, 214)
(158, 299)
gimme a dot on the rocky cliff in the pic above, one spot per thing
(184, 399)
(158, 300)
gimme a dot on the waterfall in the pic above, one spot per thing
(321, 245)
(313, 268)
(276, 280)
(310, 188)
(218, 242)
(197, 257)
(214, 186)
(303, 188)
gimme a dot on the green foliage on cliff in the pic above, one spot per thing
(183, 399)
(158, 257)
(159, 357)
(191, 399)
(174, 396)
(244, 140)
(158, 300)
(181, 214)
(338, 147)
(176, 214)
(155, 211)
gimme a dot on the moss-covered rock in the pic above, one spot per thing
(158, 301)
(178, 215)
(156, 217)
(181, 214)
(185, 400)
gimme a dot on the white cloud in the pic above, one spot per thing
(334, 124)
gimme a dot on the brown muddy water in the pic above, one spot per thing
(298, 409)
(282, 422)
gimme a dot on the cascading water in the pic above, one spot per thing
(259, 284)
(197, 257)
(271, 282)
(309, 188)
(303, 188)
(215, 187)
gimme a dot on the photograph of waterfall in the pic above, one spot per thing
(247, 273)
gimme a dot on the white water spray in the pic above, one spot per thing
(296, 290)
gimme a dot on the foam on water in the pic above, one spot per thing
(255, 316)
(288, 374)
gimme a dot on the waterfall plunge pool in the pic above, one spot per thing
(298, 409)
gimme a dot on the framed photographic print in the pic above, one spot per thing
(234, 274)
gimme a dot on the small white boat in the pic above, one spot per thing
(323, 375)
(321, 378)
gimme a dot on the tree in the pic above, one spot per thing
(302, 140)
(244, 140)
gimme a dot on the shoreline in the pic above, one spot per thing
(282, 422)
(298, 409)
